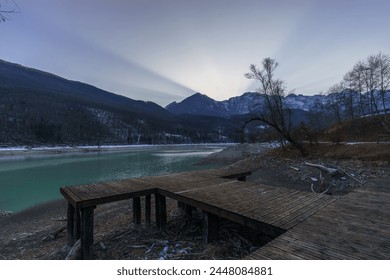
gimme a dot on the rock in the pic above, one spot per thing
(5, 213)
(164, 253)
(102, 246)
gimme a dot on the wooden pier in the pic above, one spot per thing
(308, 225)
(355, 226)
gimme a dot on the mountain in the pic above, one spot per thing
(18, 77)
(199, 104)
(249, 102)
(252, 102)
(244, 104)
(39, 108)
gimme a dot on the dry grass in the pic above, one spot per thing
(370, 152)
(364, 129)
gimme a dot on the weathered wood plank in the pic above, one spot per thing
(274, 253)
(311, 247)
(341, 241)
(306, 213)
(297, 209)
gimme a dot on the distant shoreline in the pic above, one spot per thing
(25, 150)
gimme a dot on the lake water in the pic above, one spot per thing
(29, 180)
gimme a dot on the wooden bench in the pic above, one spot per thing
(83, 199)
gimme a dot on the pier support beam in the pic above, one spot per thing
(161, 212)
(71, 225)
(137, 210)
(86, 232)
(77, 224)
(189, 210)
(147, 210)
(210, 227)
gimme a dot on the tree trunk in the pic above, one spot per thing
(296, 144)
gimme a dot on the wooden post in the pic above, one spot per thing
(161, 212)
(71, 225)
(77, 224)
(137, 210)
(189, 210)
(210, 227)
(86, 233)
(147, 211)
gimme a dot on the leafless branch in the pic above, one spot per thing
(7, 8)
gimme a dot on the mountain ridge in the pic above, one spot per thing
(254, 102)
(39, 108)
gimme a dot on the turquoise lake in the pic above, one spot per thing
(29, 180)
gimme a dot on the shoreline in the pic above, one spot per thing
(8, 155)
(223, 156)
(47, 150)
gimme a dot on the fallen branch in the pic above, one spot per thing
(332, 171)
(325, 191)
(54, 234)
(74, 253)
(295, 168)
(353, 177)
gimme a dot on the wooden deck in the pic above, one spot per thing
(356, 226)
(310, 226)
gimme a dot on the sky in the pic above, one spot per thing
(167, 50)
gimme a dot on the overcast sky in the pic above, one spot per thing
(166, 50)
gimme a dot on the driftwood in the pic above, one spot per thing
(332, 171)
(74, 252)
(295, 168)
(54, 234)
(353, 177)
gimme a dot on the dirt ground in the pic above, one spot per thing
(40, 232)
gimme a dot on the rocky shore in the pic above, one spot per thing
(5, 213)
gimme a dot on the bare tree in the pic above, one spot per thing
(351, 94)
(275, 115)
(337, 101)
(372, 81)
(355, 81)
(7, 8)
(384, 78)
